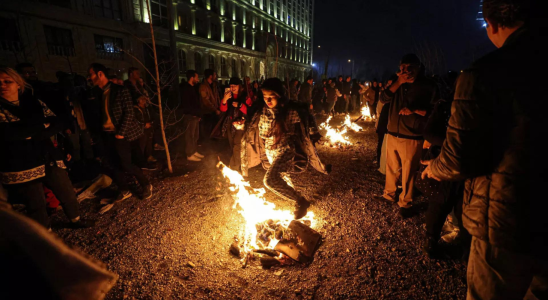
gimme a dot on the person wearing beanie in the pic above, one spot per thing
(235, 104)
(411, 98)
(278, 137)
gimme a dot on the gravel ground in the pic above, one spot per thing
(175, 245)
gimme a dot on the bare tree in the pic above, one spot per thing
(432, 57)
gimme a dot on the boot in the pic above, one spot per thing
(430, 247)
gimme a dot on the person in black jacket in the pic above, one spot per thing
(411, 98)
(114, 122)
(496, 142)
(28, 158)
(192, 110)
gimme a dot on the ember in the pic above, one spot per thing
(264, 224)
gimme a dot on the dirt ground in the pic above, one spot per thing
(175, 245)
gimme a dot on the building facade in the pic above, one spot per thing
(240, 38)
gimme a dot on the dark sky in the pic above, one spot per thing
(376, 33)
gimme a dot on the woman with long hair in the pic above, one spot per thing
(28, 158)
(278, 136)
(235, 103)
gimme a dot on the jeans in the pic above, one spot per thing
(355, 103)
(192, 131)
(145, 142)
(329, 107)
(32, 195)
(119, 155)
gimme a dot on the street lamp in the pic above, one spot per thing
(352, 71)
(319, 46)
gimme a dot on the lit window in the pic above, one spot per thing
(108, 47)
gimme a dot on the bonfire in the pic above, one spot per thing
(337, 136)
(265, 225)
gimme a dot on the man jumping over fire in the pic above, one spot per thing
(277, 135)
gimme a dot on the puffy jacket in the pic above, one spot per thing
(496, 140)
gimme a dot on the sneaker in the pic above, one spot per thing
(159, 147)
(301, 209)
(85, 195)
(448, 227)
(82, 223)
(406, 213)
(147, 192)
(151, 159)
(198, 155)
(452, 237)
(123, 196)
(193, 158)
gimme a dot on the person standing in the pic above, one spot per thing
(209, 102)
(495, 141)
(142, 115)
(192, 110)
(346, 91)
(118, 129)
(235, 103)
(355, 96)
(305, 92)
(28, 159)
(134, 84)
(411, 98)
(332, 96)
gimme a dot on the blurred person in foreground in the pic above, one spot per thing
(277, 136)
(495, 141)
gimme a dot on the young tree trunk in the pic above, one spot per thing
(168, 157)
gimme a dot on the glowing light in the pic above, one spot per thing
(349, 124)
(336, 137)
(366, 113)
(252, 206)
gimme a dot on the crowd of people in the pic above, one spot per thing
(472, 145)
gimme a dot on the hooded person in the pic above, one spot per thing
(277, 135)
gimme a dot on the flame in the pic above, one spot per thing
(253, 207)
(349, 124)
(366, 113)
(335, 136)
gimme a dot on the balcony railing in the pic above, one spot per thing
(110, 55)
(10, 46)
(60, 50)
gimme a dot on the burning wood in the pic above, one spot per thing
(337, 138)
(264, 225)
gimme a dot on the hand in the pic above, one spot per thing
(69, 157)
(311, 107)
(406, 111)
(428, 171)
(68, 131)
(404, 78)
(120, 137)
(217, 112)
(235, 104)
(148, 125)
(426, 145)
(226, 97)
(46, 125)
(420, 112)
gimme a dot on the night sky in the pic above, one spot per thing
(376, 33)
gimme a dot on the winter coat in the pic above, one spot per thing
(419, 95)
(496, 140)
(209, 97)
(190, 100)
(26, 142)
(332, 93)
(253, 148)
(120, 110)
